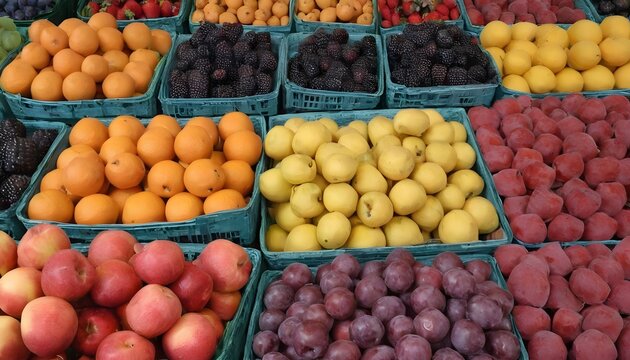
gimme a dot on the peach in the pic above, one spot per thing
(546, 345)
(549, 104)
(560, 295)
(515, 206)
(215, 320)
(227, 263)
(591, 110)
(559, 262)
(111, 244)
(17, 288)
(497, 157)
(514, 121)
(507, 106)
(609, 269)
(153, 310)
(614, 148)
(8, 253)
(194, 288)
(601, 170)
(544, 203)
(529, 228)
(621, 252)
(11, 345)
(567, 323)
(615, 101)
(582, 202)
(539, 175)
(558, 114)
(521, 138)
(190, 338)
(579, 255)
(49, 325)
(483, 116)
(599, 131)
(115, 284)
(599, 226)
(546, 125)
(623, 224)
(593, 344)
(125, 345)
(572, 102)
(68, 275)
(565, 227)
(159, 262)
(549, 146)
(529, 320)
(622, 131)
(509, 182)
(508, 256)
(568, 166)
(570, 125)
(39, 243)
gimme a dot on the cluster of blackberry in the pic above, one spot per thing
(613, 7)
(223, 62)
(435, 54)
(328, 61)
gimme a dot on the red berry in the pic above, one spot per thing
(386, 24)
(450, 3)
(454, 14)
(408, 8)
(414, 18)
(395, 19)
(442, 9)
(393, 3)
(386, 13)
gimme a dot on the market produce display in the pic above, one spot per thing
(570, 303)
(482, 12)
(612, 7)
(585, 57)
(433, 54)
(119, 300)
(223, 62)
(398, 308)
(246, 12)
(397, 12)
(361, 186)
(79, 61)
(561, 166)
(25, 10)
(359, 12)
(132, 9)
(126, 173)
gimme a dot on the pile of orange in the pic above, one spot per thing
(347, 11)
(126, 173)
(84, 61)
(246, 12)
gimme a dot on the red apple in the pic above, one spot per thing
(49, 325)
(121, 311)
(68, 275)
(189, 338)
(95, 324)
(193, 288)
(116, 283)
(159, 262)
(153, 310)
(39, 243)
(111, 244)
(227, 263)
(215, 320)
(225, 304)
(125, 345)
(17, 288)
(11, 345)
(60, 356)
(8, 253)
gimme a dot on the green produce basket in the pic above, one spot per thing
(231, 344)
(172, 24)
(238, 225)
(397, 29)
(9, 222)
(265, 104)
(297, 98)
(592, 7)
(579, 4)
(302, 26)
(145, 105)
(60, 11)
(279, 260)
(272, 275)
(401, 96)
(503, 92)
(285, 29)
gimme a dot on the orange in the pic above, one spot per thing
(84, 175)
(35, 30)
(279, 9)
(143, 207)
(118, 85)
(166, 178)
(70, 24)
(218, 157)
(141, 75)
(110, 39)
(183, 206)
(17, 77)
(167, 122)
(120, 196)
(125, 170)
(96, 66)
(226, 199)
(47, 86)
(79, 86)
(72, 152)
(47, 68)
(245, 15)
(53, 39)
(52, 181)
(243, 145)
(89, 131)
(208, 125)
(155, 145)
(67, 61)
(126, 125)
(96, 209)
(105, 188)
(233, 122)
(102, 20)
(238, 176)
(116, 59)
(84, 40)
(137, 36)
(228, 17)
(149, 57)
(161, 41)
(115, 146)
(51, 205)
(36, 55)
(193, 143)
(203, 177)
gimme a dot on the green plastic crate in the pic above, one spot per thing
(193, 26)
(310, 26)
(172, 24)
(597, 17)
(401, 96)
(265, 104)
(503, 92)
(279, 260)
(396, 29)
(62, 10)
(232, 342)
(9, 222)
(238, 225)
(297, 98)
(272, 275)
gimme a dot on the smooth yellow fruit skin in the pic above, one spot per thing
(622, 77)
(540, 79)
(615, 51)
(524, 31)
(516, 83)
(569, 80)
(615, 26)
(584, 55)
(495, 33)
(598, 78)
(584, 30)
(527, 46)
(550, 34)
(516, 62)
(553, 57)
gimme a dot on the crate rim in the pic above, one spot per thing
(258, 28)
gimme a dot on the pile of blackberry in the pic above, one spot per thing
(19, 156)
(612, 7)
(223, 62)
(327, 61)
(435, 54)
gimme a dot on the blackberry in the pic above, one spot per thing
(419, 38)
(368, 62)
(246, 86)
(370, 84)
(399, 47)
(359, 74)
(399, 75)
(224, 55)
(203, 64)
(249, 38)
(428, 51)
(446, 56)
(181, 48)
(368, 46)
(213, 37)
(246, 70)
(181, 65)
(456, 76)
(443, 39)
(263, 38)
(461, 60)
(339, 35)
(413, 78)
(20, 156)
(223, 91)
(203, 50)
(264, 83)
(43, 138)
(321, 38)
(606, 7)
(294, 65)
(307, 49)
(178, 86)
(240, 49)
(325, 63)
(333, 49)
(429, 27)
(198, 84)
(219, 75)
(338, 69)
(311, 67)
(332, 83)
(188, 56)
(299, 78)
(11, 128)
(478, 73)
(12, 188)
(350, 54)
(438, 74)
(322, 52)
(231, 32)
(267, 61)
(263, 46)
(350, 86)
(199, 36)
(250, 58)
(422, 71)
(408, 59)
(318, 83)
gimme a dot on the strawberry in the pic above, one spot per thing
(382, 4)
(134, 9)
(442, 9)
(386, 13)
(112, 9)
(116, 3)
(120, 14)
(408, 8)
(176, 7)
(91, 8)
(414, 18)
(167, 8)
(395, 19)
(451, 4)
(432, 16)
(386, 24)
(151, 9)
(393, 3)
(454, 14)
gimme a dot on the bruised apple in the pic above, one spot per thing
(227, 263)
(8, 253)
(68, 275)
(153, 310)
(48, 325)
(111, 244)
(39, 243)
(116, 283)
(125, 345)
(95, 324)
(17, 288)
(158, 262)
(190, 338)
(194, 288)
(11, 345)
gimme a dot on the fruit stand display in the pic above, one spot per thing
(604, 8)
(394, 14)
(264, 15)
(24, 13)
(355, 16)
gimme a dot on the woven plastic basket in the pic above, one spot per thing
(239, 225)
(310, 26)
(285, 29)
(396, 29)
(503, 92)
(279, 260)
(266, 104)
